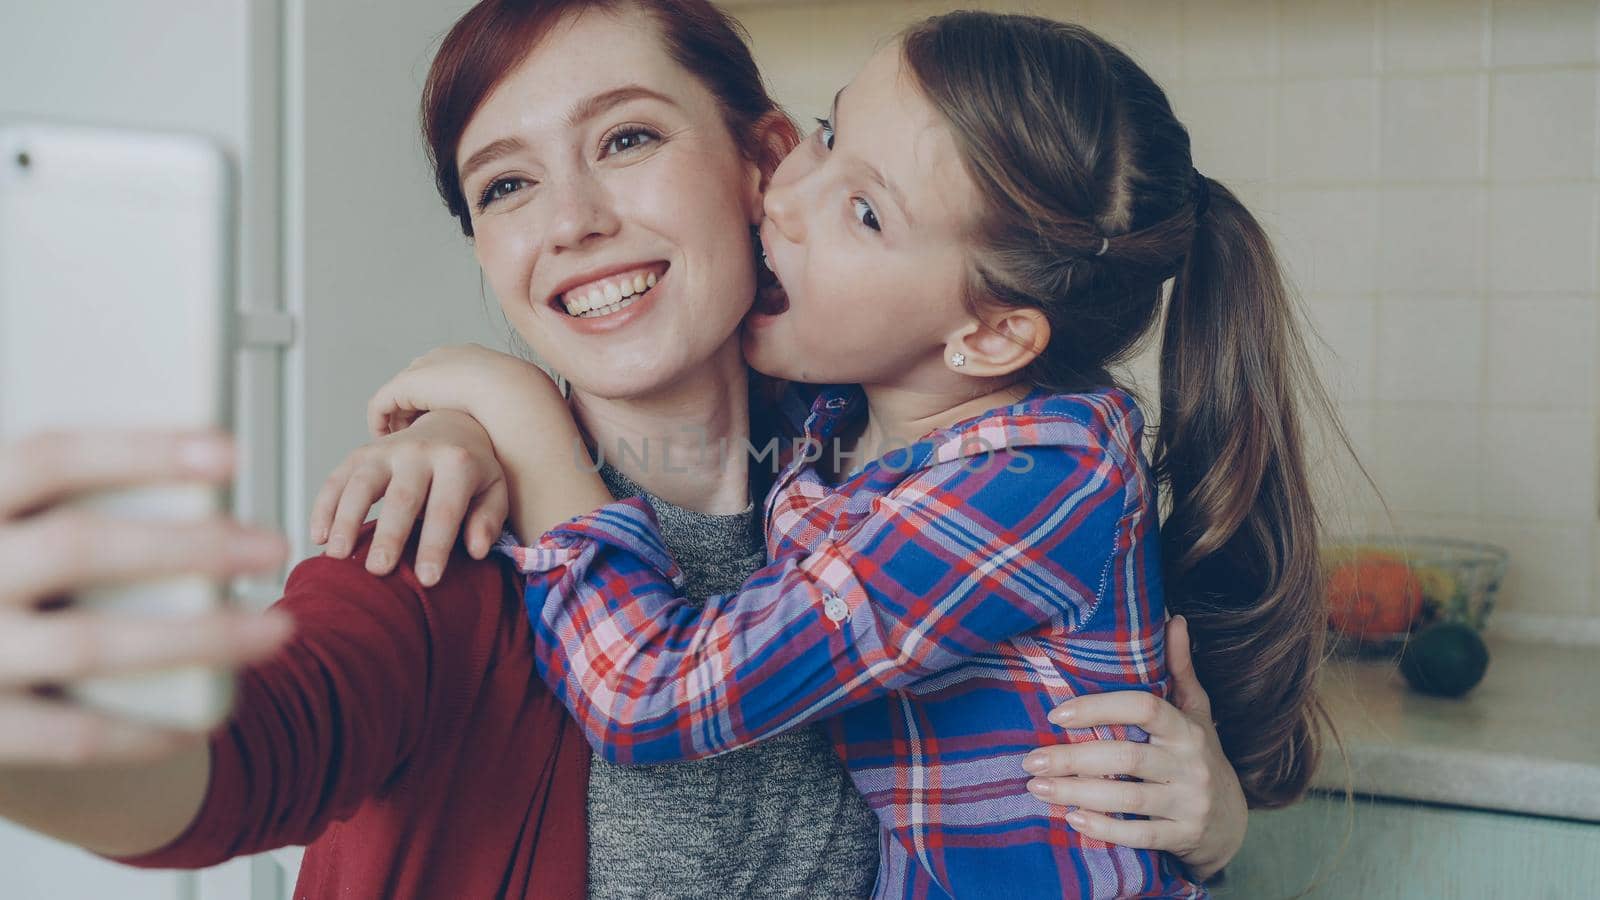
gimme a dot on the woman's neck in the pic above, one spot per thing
(684, 443)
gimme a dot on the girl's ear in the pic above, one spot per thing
(1003, 342)
(775, 135)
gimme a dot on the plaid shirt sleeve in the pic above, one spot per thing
(959, 557)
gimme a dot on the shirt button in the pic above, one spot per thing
(834, 607)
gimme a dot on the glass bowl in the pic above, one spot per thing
(1458, 581)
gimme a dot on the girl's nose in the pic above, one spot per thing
(784, 200)
(582, 211)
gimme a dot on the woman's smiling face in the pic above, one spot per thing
(866, 228)
(611, 208)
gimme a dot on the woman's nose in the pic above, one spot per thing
(784, 200)
(582, 211)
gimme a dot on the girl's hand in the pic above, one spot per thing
(48, 550)
(468, 378)
(446, 460)
(1186, 786)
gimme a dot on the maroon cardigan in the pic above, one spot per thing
(405, 736)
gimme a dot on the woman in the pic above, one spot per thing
(402, 710)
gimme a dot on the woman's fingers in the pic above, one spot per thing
(1142, 834)
(1103, 758)
(1187, 693)
(66, 646)
(42, 732)
(1108, 794)
(46, 468)
(408, 489)
(64, 551)
(1160, 719)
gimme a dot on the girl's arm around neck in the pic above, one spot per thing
(949, 564)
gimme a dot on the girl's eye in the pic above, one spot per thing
(864, 213)
(630, 139)
(825, 132)
(498, 189)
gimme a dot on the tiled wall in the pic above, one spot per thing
(1430, 170)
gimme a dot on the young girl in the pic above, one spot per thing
(980, 231)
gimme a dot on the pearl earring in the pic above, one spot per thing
(958, 359)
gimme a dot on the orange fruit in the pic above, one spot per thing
(1372, 595)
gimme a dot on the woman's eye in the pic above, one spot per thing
(825, 132)
(498, 189)
(632, 139)
(865, 214)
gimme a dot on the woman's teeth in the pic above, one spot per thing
(604, 299)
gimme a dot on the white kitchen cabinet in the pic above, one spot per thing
(1392, 850)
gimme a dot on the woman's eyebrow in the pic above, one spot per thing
(581, 112)
(589, 107)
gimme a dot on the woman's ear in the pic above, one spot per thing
(998, 344)
(775, 134)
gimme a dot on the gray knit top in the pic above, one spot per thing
(777, 819)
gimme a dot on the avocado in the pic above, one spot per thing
(1446, 659)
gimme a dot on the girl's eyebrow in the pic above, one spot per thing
(893, 190)
(581, 112)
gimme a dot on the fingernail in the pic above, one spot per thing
(428, 574)
(378, 561)
(1077, 819)
(1035, 762)
(1060, 716)
(337, 548)
(206, 455)
(1039, 788)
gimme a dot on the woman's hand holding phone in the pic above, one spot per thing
(50, 550)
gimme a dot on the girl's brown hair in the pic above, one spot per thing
(1093, 204)
(494, 36)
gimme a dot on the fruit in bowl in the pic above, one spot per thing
(1380, 592)
(1373, 594)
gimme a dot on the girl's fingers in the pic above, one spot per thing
(367, 483)
(65, 551)
(66, 646)
(1107, 794)
(35, 731)
(327, 502)
(402, 502)
(455, 481)
(487, 518)
(1141, 834)
(1103, 758)
(46, 468)
(1156, 716)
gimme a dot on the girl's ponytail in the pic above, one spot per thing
(1240, 539)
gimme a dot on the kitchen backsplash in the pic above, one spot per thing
(1430, 171)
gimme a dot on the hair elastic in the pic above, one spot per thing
(1202, 194)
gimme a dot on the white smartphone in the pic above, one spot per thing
(116, 311)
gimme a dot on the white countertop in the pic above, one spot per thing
(1525, 740)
